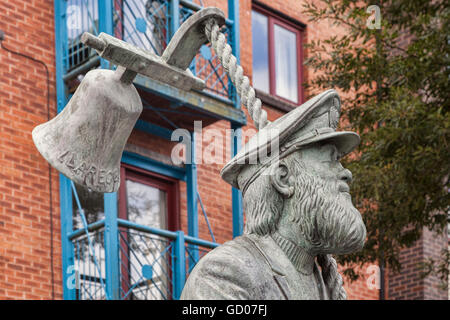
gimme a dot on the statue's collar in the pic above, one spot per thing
(302, 261)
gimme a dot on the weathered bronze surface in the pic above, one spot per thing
(85, 141)
(298, 212)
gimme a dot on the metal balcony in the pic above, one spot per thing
(153, 263)
(150, 24)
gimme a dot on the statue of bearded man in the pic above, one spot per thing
(298, 212)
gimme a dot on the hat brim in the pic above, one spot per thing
(345, 141)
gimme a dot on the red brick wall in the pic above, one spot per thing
(25, 271)
(433, 243)
(408, 284)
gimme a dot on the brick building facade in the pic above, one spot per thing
(31, 265)
(408, 284)
(25, 260)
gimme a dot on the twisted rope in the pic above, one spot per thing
(331, 277)
(236, 74)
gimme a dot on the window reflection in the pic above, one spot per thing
(146, 205)
(91, 203)
(260, 52)
(89, 283)
(285, 43)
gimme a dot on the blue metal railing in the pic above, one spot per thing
(148, 24)
(153, 263)
(145, 266)
(206, 64)
(90, 266)
(144, 23)
(90, 246)
(81, 16)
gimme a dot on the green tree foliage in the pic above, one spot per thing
(397, 80)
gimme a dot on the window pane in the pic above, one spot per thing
(92, 204)
(260, 52)
(144, 24)
(146, 205)
(285, 43)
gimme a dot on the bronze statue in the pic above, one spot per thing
(295, 191)
(298, 212)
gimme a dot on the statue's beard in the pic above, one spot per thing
(327, 218)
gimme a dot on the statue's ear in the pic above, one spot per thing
(280, 177)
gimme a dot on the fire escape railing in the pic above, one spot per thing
(146, 24)
(153, 263)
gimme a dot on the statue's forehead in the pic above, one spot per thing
(320, 149)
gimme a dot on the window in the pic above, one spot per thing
(88, 284)
(151, 200)
(148, 199)
(276, 56)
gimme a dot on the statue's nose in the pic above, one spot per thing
(345, 175)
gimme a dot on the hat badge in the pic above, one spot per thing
(334, 117)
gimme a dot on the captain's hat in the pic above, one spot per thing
(315, 120)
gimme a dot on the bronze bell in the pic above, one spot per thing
(85, 141)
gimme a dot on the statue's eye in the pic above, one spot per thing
(334, 154)
(329, 153)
